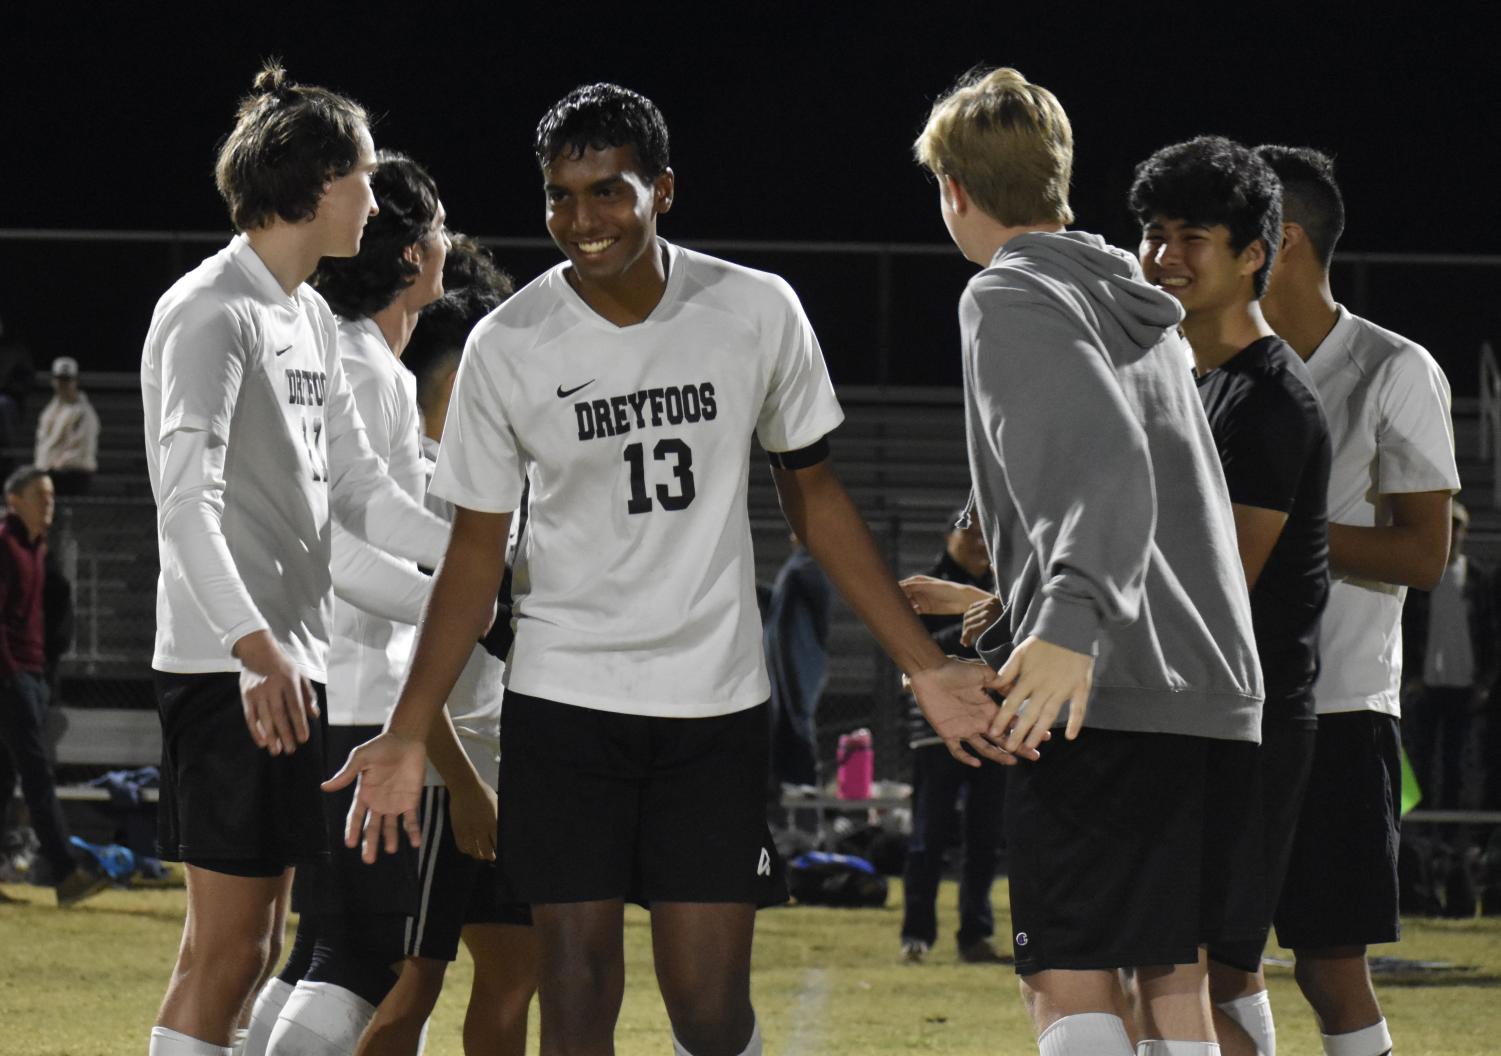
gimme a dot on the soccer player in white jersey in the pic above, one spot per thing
(1390, 485)
(408, 912)
(253, 445)
(624, 385)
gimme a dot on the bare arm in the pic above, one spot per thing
(1257, 530)
(951, 692)
(390, 767)
(1411, 551)
(931, 596)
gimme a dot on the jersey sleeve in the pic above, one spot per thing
(376, 582)
(190, 520)
(362, 495)
(203, 359)
(479, 463)
(375, 399)
(1264, 442)
(800, 406)
(1415, 436)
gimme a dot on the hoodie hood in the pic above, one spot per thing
(1092, 276)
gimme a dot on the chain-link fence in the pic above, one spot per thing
(106, 547)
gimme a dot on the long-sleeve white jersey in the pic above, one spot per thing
(254, 445)
(378, 598)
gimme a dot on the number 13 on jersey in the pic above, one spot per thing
(682, 469)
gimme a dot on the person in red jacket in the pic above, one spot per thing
(23, 688)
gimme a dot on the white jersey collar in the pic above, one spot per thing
(244, 254)
(571, 296)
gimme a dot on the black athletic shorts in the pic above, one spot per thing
(223, 800)
(596, 805)
(1133, 849)
(1341, 886)
(1285, 758)
(344, 883)
(450, 890)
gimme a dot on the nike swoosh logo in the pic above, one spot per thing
(281, 351)
(563, 393)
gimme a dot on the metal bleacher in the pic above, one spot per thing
(900, 454)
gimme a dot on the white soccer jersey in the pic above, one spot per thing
(1387, 403)
(474, 705)
(378, 598)
(251, 438)
(634, 580)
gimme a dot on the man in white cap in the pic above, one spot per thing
(67, 433)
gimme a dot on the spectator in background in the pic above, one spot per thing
(67, 433)
(960, 581)
(1452, 656)
(23, 690)
(796, 639)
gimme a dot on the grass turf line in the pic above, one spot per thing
(87, 982)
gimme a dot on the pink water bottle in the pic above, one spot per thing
(857, 764)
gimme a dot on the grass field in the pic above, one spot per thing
(86, 982)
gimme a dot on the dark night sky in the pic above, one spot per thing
(786, 124)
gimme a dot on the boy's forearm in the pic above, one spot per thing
(824, 518)
(457, 615)
(1412, 551)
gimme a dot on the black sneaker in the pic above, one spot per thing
(79, 885)
(982, 952)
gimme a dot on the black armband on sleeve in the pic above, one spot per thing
(802, 458)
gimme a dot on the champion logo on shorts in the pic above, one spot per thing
(763, 867)
(1021, 938)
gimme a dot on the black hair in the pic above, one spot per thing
(288, 141)
(1310, 196)
(1212, 180)
(603, 116)
(22, 477)
(370, 280)
(475, 287)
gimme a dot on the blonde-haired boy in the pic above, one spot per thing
(1083, 426)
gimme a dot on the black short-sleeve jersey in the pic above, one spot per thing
(1273, 443)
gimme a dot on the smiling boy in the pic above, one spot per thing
(1211, 219)
(625, 385)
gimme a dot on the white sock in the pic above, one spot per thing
(1092, 1033)
(238, 1040)
(1253, 1014)
(1374, 1040)
(320, 1019)
(1159, 1047)
(166, 1042)
(752, 1047)
(268, 1005)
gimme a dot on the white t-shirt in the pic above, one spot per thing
(1387, 403)
(474, 704)
(252, 440)
(67, 435)
(378, 598)
(634, 581)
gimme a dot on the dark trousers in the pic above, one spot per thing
(794, 739)
(23, 724)
(1436, 727)
(938, 782)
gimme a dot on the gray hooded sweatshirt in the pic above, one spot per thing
(1099, 488)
